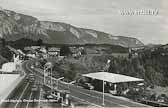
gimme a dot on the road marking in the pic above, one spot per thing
(39, 98)
(32, 71)
(95, 97)
(99, 98)
(87, 102)
(29, 99)
(86, 93)
(22, 94)
(105, 99)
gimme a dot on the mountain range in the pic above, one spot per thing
(14, 26)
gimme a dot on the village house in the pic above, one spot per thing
(35, 47)
(76, 52)
(53, 51)
(43, 50)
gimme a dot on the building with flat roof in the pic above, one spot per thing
(112, 77)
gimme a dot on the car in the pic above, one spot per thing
(34, 87)
(32, 66)
(49, 96)
(38, 83)
(31, 75)
(88, 86)
(27, 78)
(32, 79)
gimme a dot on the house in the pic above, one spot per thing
(21, 52)
(35, 47)
(27, 49)
(43, 50)
(31, 54)
(53, 51)
(123, 55)
(76, 52)
(137, 48)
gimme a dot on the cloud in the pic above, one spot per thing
(101, 15)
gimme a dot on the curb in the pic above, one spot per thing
(11, 91)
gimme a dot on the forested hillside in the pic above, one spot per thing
(150, 65)
(5, 54)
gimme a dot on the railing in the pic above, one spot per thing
(153, 103)
(14, 72)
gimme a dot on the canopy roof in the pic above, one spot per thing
(111, 77)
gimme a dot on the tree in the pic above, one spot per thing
(5, 52)
(39, 42)
(43, 62)
(65, 51)
(3, 42)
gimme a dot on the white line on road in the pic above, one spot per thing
(39, 98)
(87, 102)
(29, 100)
(22, 95)
(99, 98)
(89, 94)
(32, 71)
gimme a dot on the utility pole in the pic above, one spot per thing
(44, 73)
(48, 68)
(103, 95)
(51, 79)
(106, 68)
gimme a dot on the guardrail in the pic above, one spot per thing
(153, 103)
(13, 88)
(14, 72)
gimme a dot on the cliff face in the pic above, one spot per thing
(14, 26)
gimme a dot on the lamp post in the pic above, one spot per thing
(103, 95)
(48, 66)
(51, 79)
(62, 106)
(69, 84)
(106, 67)
(44, 74)
(59, 97)
(58, 80)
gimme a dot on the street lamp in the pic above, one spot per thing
(51, 79)
(106, 67)
(62, 102)
(58, 80)
(69, 84)
(44, 74)
(47, 66)
(103, 95)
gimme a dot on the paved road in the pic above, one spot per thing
(92, 97)
(22, 95)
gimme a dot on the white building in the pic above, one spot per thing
(11, 66)
(53, 51)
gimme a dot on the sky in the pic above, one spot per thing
(102, 15)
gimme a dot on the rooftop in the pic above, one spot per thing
(112, 77)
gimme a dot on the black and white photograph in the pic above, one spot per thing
(83, 53)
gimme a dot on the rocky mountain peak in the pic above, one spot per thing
(14, 26)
